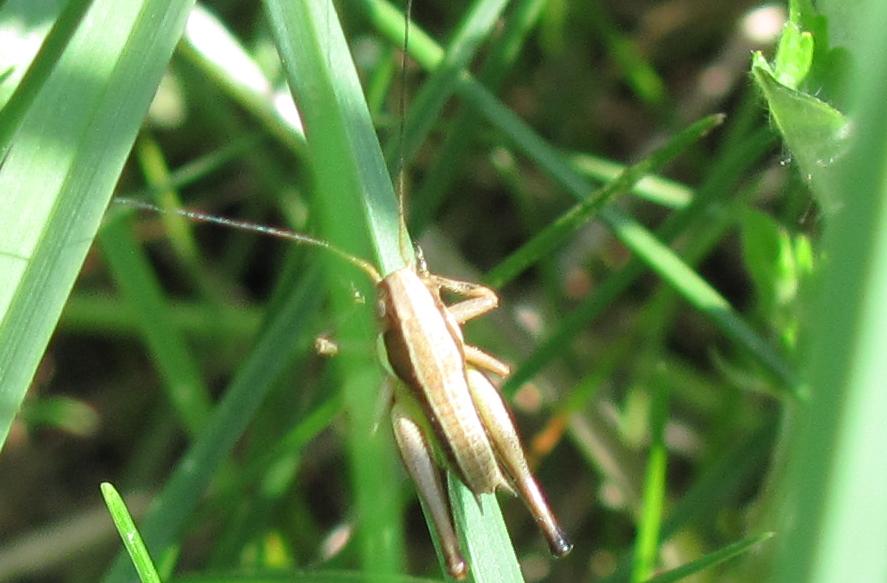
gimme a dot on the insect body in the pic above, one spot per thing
(467, 420)
(446, 410)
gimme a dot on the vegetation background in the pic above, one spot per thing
(691, 304)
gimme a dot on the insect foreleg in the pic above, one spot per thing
(481, 299)
(418, 459)
(506, 443)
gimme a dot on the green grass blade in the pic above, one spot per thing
(646, 551)
(129, 534)
(656, 189)
(356, 210)
(837, 520)
(283, 337)
(488, 548)
(138, 284)
(425, 109)
(711, 559)
(218, 53)
(61, 168)
(94, 313)
(454, 152)
(569, 222)
(13, 111)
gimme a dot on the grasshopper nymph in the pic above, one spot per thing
(461, 410)
(446, 412)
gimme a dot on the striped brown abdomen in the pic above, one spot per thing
(428, 358)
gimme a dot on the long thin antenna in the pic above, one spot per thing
(287, 234)
(401, 156)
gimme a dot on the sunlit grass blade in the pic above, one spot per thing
(569, 222)
(656, 189)
(129, 534)
(286, 334)
(836, 530)
(12, 112)
(60, 170)
(711, 559)
(488, 548)
(220, 55)
(356, 208)
(646, 550)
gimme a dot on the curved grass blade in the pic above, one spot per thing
(62, 166)
(569, 222)
(132, 540)
(711, 559)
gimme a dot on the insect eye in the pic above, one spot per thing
(381, 309)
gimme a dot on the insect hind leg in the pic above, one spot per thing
(500, 429)
(418, 459)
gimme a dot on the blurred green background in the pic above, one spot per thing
(692, 313)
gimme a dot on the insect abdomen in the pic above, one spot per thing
(429, 360)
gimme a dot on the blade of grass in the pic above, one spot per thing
(639, 73)
(62, 166)
(646, 549)
(656, 189)
(129, 534)
(13, 111)
(218, 53)
(572, 220)
(138, 284)
(93, 314)
(357, 210)
(837, 529)
(425, 109)
(284, 336)
(488, 548)
(711, 559)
